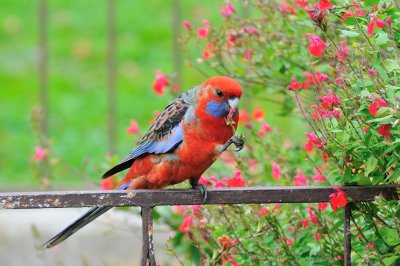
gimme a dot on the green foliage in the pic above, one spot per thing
(351, 109)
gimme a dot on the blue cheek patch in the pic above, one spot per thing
(217, 109)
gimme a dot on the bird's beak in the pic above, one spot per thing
(233, 103)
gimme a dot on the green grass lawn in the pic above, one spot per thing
(77, 80)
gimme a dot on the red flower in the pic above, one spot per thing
(320, 77)
(309, 79)
(202, 32)
(353, 13)
(370, 245)
(187, 24)
(247, 55)
(208, 52)
(318, 13)
(227, 259)
(309, 146)
(372, 72)
(336, 113)
(374, 107)
(342, 53)
(289, 241)
(316, 46)
(330, 100)
(317, 236)
(276, 170)
(227, 242)
(295, 85)
(186, 224)
(40, 154)
(299, 179)
(265, 128)
(263, 211)
(305, 223)
(375, 22)
(384, 130)
(389, 21)
(302, 2)
(318, 177)
(339, 258)
(312, 217)
(324, 113)
(338, 199)
(313, 140)
(250, 30)
(133, 128)
(325, 157)
(228, 10)
(160, 83)
(216, 183)
(244, 117)
(322, 205)
(258, 113)
(236, 181)
(108, 183)
(324, 5)
(287, 8)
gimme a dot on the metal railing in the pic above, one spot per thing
(148, 199)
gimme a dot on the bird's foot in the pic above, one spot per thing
(237, 140)
(203, 190)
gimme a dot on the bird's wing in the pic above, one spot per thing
(165, 134)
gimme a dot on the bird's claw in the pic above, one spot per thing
(238, 141)
(203, 190)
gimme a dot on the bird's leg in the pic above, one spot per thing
(202, 188)
(237, 140)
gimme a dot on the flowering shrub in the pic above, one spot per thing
(335, 63)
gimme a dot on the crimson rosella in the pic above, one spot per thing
(184, 140)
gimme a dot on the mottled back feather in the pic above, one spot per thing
(164, 135)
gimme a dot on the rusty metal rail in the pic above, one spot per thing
(147, 199)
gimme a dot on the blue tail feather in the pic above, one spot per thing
(83, 220)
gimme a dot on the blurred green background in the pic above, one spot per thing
(77, 81)
(77, 84)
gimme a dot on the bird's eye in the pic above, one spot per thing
(219, 93)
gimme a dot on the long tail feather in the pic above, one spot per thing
(83, 220)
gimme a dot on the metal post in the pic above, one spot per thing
(43, 95)
(42, 117)
(347, 235)
(176, 31)
(147, 232)
(111, 69)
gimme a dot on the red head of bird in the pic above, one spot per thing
(219, 100)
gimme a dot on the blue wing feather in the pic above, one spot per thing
(164, 135)
(173, 139)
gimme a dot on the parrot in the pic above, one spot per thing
(181, 144)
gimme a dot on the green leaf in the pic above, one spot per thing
(288, 105)
(390, 235)
(350, 34)
(394, 175)
(382, 72)
(336, 226)
(392, 65)
(383, 120)
(370, 2)
(391, 260)
(370, 165)
(382, 39)
(365, 93)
